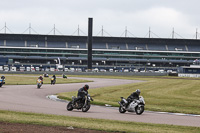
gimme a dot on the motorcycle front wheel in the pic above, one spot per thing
(121, 109)
(86, 108)
(38, 86)
(70, 106)
(139, 110)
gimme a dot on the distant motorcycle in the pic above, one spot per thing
(135, 106)
(64, 76)
(53, 81)
(2, 81)
(39, 83)
(83, 103)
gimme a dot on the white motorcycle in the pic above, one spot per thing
(135, 106)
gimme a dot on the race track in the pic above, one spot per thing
(27, 98)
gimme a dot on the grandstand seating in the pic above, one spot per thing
(158, 60)
(137, 46)
(128, 51)
(179, 61)
(35, 44)
(159, 47)
(77, 45)
(56, 44)
(139, 60)
(118, 59)
(1, 42)
(117, 46)
(193, 48)
(176, 47)
(99, 46)
(15, 43)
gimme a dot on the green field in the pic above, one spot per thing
(161, 94)
(180, 95)
(90, 123)
(31, 79)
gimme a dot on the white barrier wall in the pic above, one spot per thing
(189, 75)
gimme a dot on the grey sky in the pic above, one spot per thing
(114, 15)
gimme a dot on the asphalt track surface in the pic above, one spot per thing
(27, 98)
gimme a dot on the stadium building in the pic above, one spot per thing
(117, 53)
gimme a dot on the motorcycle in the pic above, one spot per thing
(64, 76)
(83, 103)
(135, 106)
(1, 82)
(53, 81)
(39, 83)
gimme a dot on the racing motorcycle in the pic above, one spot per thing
(39, 83)
(2, 81)
(135, 106)
(83, 103)
(53, 81)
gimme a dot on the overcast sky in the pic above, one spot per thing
(161, 16)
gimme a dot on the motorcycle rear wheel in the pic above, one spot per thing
(139, 110)
(86, 108)
(70, 106)
(121, 109)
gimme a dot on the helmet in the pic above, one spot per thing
(138, 91)
(86, 87)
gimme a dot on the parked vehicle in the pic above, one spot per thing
(39, 83)
(83, 104)
(135, 106)
(22, 69)
(13, 69)
(1, 68)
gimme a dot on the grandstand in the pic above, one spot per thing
(108, 52)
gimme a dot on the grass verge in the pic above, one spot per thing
(31, 79)
(90, 123)
(178, 95)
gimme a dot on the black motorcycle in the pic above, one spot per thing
(83, 103)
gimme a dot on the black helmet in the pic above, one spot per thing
(138, 91)
(86, 87)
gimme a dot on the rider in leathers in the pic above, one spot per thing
(134, 96)
(81, 93)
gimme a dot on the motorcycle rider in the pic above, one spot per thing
(134, 96)
(54, 79)
(41, 78)
(81, 93)
(3, 78)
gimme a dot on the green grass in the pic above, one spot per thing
(161, 94)
(31, 79)
(90, 123)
